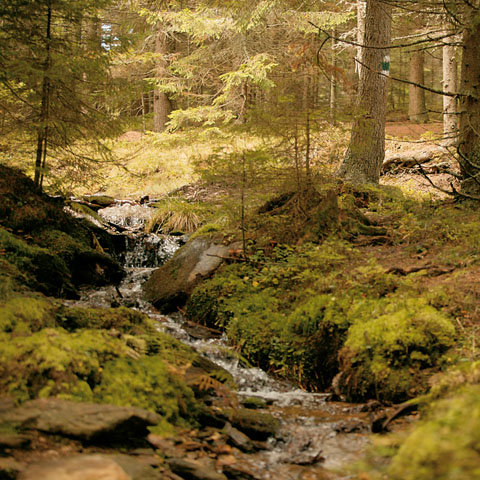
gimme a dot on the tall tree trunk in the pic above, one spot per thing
(417, 110)
(450, 120)
(364, 157)
(361, 17)
(42, 132)
(469, 135)
(161, 103)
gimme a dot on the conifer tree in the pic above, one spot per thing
(53, 79)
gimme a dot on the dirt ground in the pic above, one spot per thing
(413, 131)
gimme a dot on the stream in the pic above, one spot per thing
(318, 438)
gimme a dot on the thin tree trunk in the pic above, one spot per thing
(161, 103)
(417, 110)
(42, 133)
(469, 135)
(308, 171)
(364, 157)
(450, 120)
(333, 83)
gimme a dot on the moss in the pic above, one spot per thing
(444, 445)
(22, 314)
(122, 319)
(40, 269)
(150, 385)
(258, 425)
(52, 361)
(386, 355)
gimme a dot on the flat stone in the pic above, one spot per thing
(85, 421)
(10, 468)
(137, 469)
(80, 467)
(194, 470)
(240, 472)
(238, 439)
(257, 425)
(13, 440)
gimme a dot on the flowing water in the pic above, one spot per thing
(318, 438)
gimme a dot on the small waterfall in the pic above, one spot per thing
(150, 250)
(130, 216)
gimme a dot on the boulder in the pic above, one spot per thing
(81, 467)
(86, 421)
(170, 285)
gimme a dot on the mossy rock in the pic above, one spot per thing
(70, 256)
(170, 285)
(390, 355)
(37, 268)
(102, 201)
(257, 425)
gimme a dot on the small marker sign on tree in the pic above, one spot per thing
(386, 65)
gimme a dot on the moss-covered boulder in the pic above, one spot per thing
(389, 355)
(48, 245)
(170, 285)
(91, 355)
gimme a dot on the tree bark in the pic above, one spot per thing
(361, 16)
(450, 120)
(364, 157)
(161, 103)
(42, 133)
(469, 135)
(417, 110)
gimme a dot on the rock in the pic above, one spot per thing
(239, 472)
(303, 450)
(85, 421)
(81, 467)
(371, 406)
(194, 469)
(257, 425)
(199, 332)
(352, 426)
(138, 469)
(102, 201)
(307, 458)
(13, 440)
(10, 469)
(238, 439)
(254, 403)
(170, 285)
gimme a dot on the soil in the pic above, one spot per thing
(413, 131)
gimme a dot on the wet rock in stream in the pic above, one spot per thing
(86, 421)
(195, 469)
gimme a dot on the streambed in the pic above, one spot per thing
(318, 438)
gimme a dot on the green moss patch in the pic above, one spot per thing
(444, 445)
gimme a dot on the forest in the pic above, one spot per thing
(238, 239)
